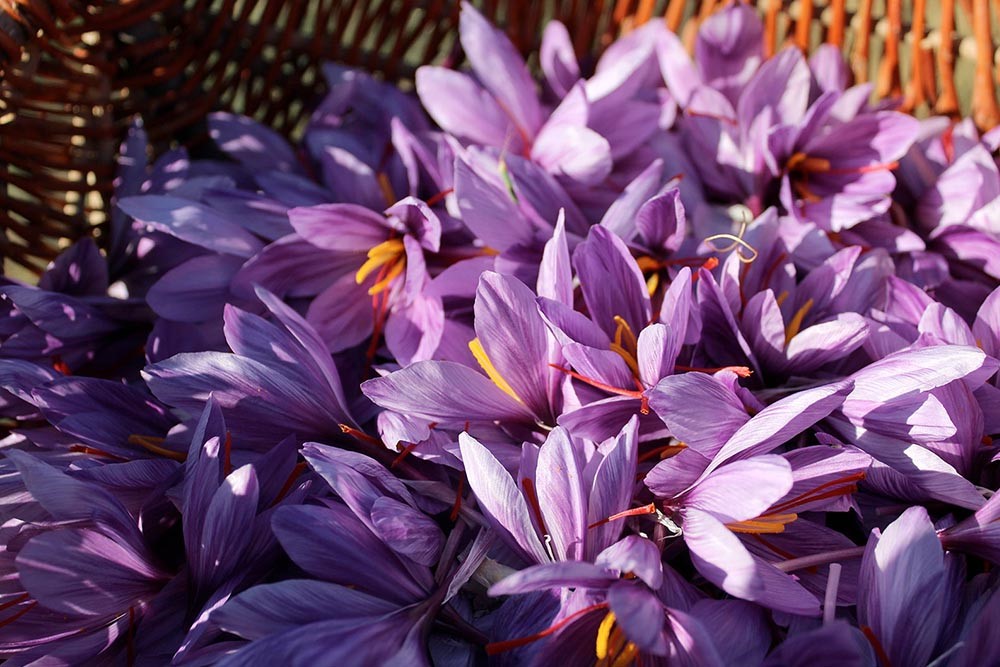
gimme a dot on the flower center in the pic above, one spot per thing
(626, 345)
(612, 646)
(389, 254)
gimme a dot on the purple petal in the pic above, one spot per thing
(560, 488)
(254, 145)
(636, 555)
(699, 410)
(611, 281)
(720, 557)
(558, 59)
(195, 291)
(225, 525)
(326, 543)
(640, 614)
(85, 573)
(742, 490)
(498, 496)
(501, 69)
(272, 608)
(564, 574)
(407, 532)
(192, 222)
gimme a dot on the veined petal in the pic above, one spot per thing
(499, 497)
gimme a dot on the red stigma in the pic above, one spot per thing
(60, 366)
(403, 454)
(289, 483)
(635, 511)
(510, 644)
(227, 451)
(457, 507)
(439, 196)
(529, 493)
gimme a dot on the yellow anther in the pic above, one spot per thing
(766, 524)
(626, 345)
(652, 283)
(807, 163)
(386, 186)
(795, 325)
(484, 362)
(604, 634)
(382, 254)
(647, 263)
(627, 656)
(394, 272)
(782, 298)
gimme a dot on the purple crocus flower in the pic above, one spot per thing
(513, 349)
(381, 607)
(278, 381)
(618, 598)
(904, 595)
(568, 488)
(499, 107)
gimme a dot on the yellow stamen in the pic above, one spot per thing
(484, 362)
(782, 298)
(626, 345)
(394, 272)
(765, 524)
(653, 283)
(386, 186)
(627, 656)
(792, 330)
(379, 255)
(152, 444)
(603, 634)
(807, 163)
(647, 263)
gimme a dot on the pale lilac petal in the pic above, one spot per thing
(699, 410)
(636, 555)
(720, 557)
(560, 488)
(564, 574)
(514, 338)
(499, 497)
(558, 59)
(640, 614)
(777, 423)
(575, 153)
(611, 281)
(500, 68)
(743, 489)
(444, 391)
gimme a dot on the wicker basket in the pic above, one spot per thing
(74, 72)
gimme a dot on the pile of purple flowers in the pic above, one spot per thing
(686, 363)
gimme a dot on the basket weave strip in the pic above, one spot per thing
(73, 73)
